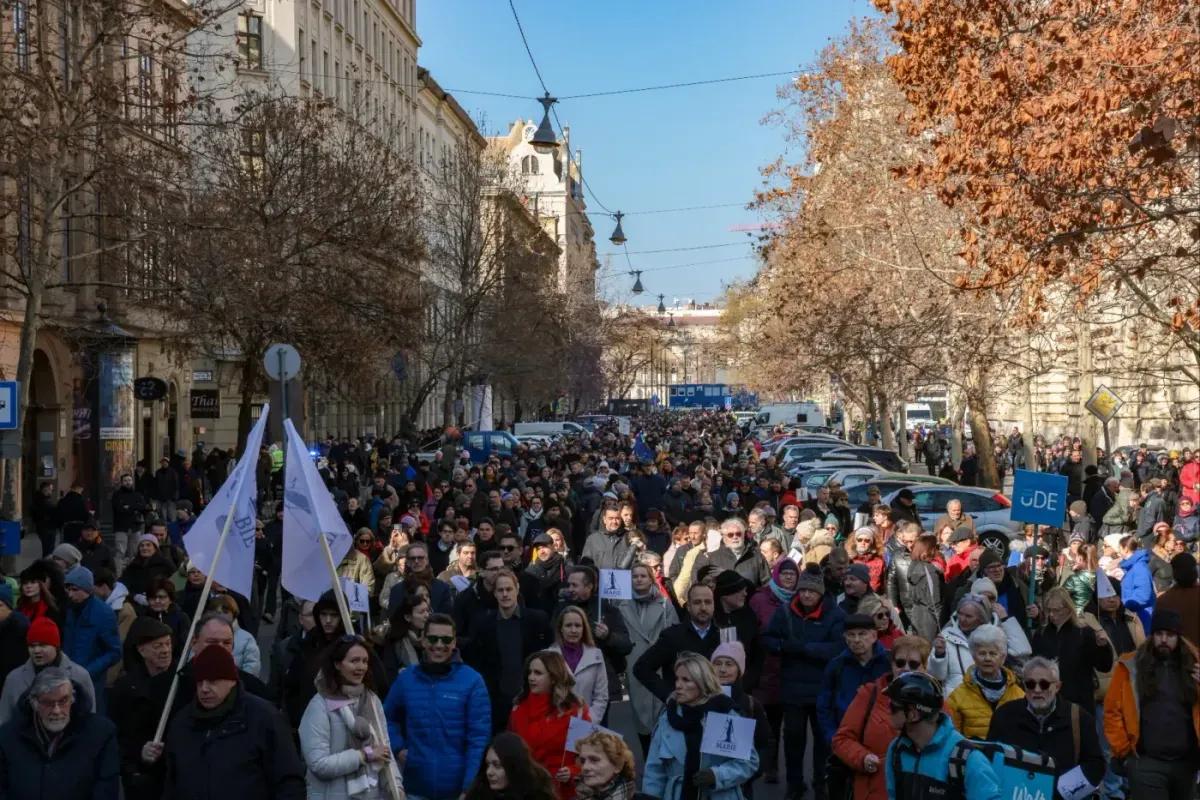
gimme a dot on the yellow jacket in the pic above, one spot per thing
(970, 711)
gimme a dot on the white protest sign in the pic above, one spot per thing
(578, 728)
(357, 596)
(728, 735)
(1074, 785)
(616, 584)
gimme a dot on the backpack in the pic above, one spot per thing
(1020, 775)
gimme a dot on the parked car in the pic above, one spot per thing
(990, 509)
(855, 474)
(480, 446)
(887, 459)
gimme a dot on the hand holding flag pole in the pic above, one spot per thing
(238, 496)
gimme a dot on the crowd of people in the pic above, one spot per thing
(876, 655)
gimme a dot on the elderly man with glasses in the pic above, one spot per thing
(57, 747)
(1044, 722)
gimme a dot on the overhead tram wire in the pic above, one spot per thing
(679, 249)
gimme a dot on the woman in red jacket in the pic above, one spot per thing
(542, 714)
(863, 549)
(862, 740)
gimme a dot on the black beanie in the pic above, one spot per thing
(1183, 568)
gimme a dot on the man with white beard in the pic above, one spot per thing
(56, 747)
(1049, 724)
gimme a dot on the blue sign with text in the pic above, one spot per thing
(1039, 497)
(9, 413)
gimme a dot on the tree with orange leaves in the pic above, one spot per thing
(1066, 135)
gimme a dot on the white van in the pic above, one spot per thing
(805, 414)
(549, 428)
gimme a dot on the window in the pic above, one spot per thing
(337, 83)
(254, 151)
(300, 50)
(145, 84)
(21, 30)
(326, 76)
(529, 165)
(249, 41)
(313, 64)
(170, 103)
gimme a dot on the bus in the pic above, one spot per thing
(710, 395)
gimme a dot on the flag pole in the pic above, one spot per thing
(344, 609)
(208, 582)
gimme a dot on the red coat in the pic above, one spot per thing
(875, 566)
(957, 563)
(545, 731)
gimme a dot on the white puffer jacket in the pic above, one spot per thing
(950, 668)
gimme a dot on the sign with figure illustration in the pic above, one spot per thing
(727, 735)
(616, 584)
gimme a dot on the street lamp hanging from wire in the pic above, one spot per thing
(662, 309)
(544, 139)
(618, 235)
(637, 281)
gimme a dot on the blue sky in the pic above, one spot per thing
(685, 147)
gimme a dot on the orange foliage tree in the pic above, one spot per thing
(1065, 132)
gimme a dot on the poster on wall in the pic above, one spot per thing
(206, 403)
(116, 395)
(116, 408)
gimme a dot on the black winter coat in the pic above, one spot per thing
(97, 556)
(141, 573)
(83, 767)
(483, 654)
(134, 703)
(1078, 654)
(744, 621)
(750, 565)
(1013, 723)
(656, 667)
(248, 754)
(13, 650)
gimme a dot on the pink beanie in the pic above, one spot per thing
(733, 650)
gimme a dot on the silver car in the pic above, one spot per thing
(988, 508)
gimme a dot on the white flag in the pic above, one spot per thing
(308, 512)
(235, 568)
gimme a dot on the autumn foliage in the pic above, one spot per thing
(1065, 131)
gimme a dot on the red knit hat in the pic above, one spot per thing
(43, 631)
(214, 663)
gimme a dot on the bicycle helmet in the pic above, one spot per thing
(916, 690)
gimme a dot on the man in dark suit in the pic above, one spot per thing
(503, 638)
(656, 668)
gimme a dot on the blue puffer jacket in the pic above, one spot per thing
(806, 643)
(840, 683)
(925, 775)
(445, 723)
(1137, 587)
(90, 639)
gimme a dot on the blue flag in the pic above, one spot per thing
(641, 450)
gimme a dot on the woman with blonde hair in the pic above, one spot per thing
(542, 716)
(605, 767)
(574, 642)
(1080, 650)
(675, 767)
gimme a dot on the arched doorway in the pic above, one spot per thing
(40, 429)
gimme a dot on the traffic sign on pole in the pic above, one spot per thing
(10, 416)
(282, 363)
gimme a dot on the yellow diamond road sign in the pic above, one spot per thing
(1104, 403)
